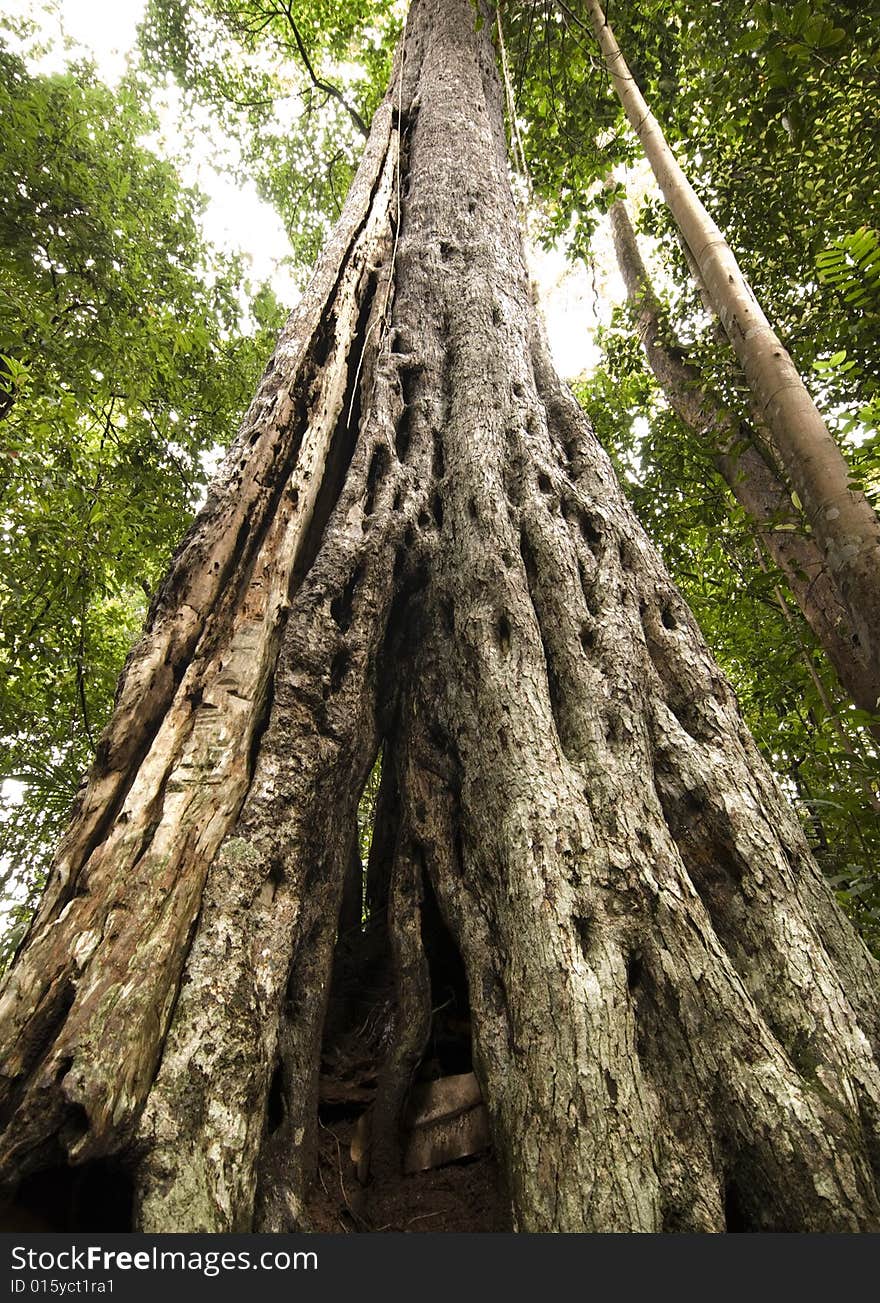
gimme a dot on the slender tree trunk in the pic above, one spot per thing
(418, 542)
(751, 479)
(844, 523)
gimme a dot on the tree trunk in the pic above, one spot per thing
(754, 483)
(417, 542)
(844, 523)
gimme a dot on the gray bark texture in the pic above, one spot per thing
(417, 544)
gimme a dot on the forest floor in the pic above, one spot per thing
(462, 1196)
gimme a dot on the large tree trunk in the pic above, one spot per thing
(843, 521)
(754, 483)
(417, 543)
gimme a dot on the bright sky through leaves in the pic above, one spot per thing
(236, 218)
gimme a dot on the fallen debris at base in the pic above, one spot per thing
(446, 1120)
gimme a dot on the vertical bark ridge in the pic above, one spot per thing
(726, 824)
(295, 831)
(323, 734)
(486, 686)
(411, 1020)
(217, 554)
(120, 940)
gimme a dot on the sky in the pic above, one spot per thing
(235, 218)
(573, 301)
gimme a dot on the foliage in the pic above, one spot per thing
(271, 75)
(124, 365)
(850, 267)
(772, 112)
(568, 117)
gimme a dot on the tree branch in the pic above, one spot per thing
(318, 81)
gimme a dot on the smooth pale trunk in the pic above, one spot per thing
(845, 525)
(751, 479)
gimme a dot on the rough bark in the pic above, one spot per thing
(844, 523)
(671, 1022)
(754, 483)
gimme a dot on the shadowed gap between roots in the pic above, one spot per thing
(355, 1190)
